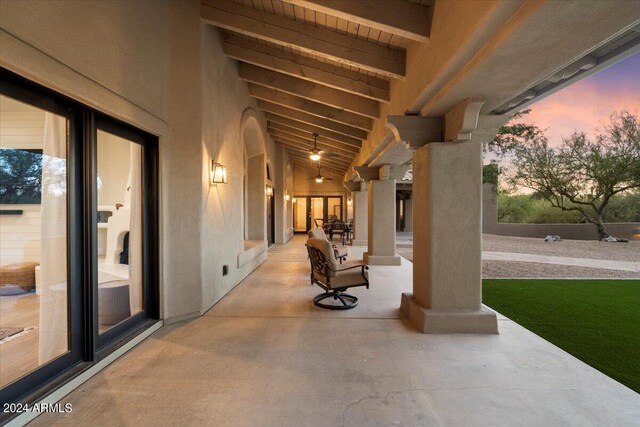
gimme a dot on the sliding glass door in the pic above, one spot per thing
(34, 274)
(314, 211)
(78, 236)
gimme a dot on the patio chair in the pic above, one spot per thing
(318, 233)
(326, 273)
(338, 228)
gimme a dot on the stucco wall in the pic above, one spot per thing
(156, 66)
(490, 224)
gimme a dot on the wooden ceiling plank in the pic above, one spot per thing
(338, 175)
(305, 68)
(305, 151)
(309, 90)
(310, 119)
(407, 19)
(311, 107)
(323, 144)
(305, 37)
(324, 166)
(296, 124)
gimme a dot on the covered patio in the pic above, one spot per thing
(264, 355)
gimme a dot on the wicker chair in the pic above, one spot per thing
(22, 274)
(339, 253)
(326, 273)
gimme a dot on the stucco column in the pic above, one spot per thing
(447, 241)
(360, 216)
(408, 214)
(382, 223)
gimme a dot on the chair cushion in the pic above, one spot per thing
(325, 247)
(349, 278)
(317, 233)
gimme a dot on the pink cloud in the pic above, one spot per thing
(583, 107)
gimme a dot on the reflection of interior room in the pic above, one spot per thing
(119, 230)
(33, 265)
(33, 303)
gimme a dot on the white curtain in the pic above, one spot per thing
(53, 253)
(133, 199)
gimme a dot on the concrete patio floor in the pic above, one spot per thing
(265, 356)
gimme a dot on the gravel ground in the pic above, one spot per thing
(566, 248)
(512, 269)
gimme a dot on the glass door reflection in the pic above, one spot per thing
(119, 229)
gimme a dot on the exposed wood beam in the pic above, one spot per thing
(305, 160)
(289, 63)
(309, 136)
(309, 90)
(400, 17)
(312, 120)
(338, 175)
(325, 159)
(305, 148)
(308, 38)
(324, 167)
(335, 136)
(276, 133)
(305, 152)
(311, 107)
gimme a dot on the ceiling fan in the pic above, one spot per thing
(315, 154)
(319, 178)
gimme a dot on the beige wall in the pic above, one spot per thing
(155, 65)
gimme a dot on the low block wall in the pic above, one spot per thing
(490, 224)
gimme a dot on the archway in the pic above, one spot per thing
(255, 179)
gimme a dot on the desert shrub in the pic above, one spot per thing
(624, 207)
(544, 213)
(515, 209)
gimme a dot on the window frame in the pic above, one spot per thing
(85, 344)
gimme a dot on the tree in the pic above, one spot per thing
(581, 174)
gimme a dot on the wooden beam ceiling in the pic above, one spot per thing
(311, 107)
(309, 90)
(305, 152)
(324, 167)
(322, 144)
(305, 37)
(324, 171)
(304, 68)
(400, 17)
(310, 119)
(309, 77)
(334, 136)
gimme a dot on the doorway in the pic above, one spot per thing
(313, 211)
(271, 225)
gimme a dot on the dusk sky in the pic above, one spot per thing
(585, 106)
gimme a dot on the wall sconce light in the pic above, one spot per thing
(294, 200)
(218, 173)
(287, 197)
(268, 191)
(349, 202)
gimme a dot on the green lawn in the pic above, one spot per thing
(597, 321)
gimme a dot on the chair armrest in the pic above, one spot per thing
(363, 266)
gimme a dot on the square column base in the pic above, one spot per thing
(429, 321)
(382, 259)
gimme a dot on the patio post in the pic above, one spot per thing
(447, 234)
(382, 220)
(408, 214)
(360, 216)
